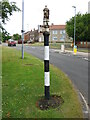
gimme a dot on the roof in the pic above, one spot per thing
(27, 32)
(57, 27)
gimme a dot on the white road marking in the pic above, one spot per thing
(84, 102)
(86, 112)
(85, 59)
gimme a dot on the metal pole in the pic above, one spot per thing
(74, 25)
(22, 29)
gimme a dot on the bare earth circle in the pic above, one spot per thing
(53, 102)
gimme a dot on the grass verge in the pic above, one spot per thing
(23, 86)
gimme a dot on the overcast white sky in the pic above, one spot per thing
(60, 12)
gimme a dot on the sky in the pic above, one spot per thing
(60, 12)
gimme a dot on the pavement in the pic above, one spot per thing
(78, 54)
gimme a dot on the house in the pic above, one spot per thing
(57, 33)
(27, 36)
(31, 36)
(34, 36)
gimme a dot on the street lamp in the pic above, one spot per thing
(74, 24)
(22, 28)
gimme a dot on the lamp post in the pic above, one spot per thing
(74, 24)
(22, 29)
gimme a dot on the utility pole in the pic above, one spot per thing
(46, 52)
(22, 29)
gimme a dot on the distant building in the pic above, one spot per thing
(31, 36)
(57, 33)
(27, 36)
(34, 36)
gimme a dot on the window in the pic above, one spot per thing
(62, 38)
(62, 31)
(54, 38)
(54, 31)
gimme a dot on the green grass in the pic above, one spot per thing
(23, 85)
(36, 44)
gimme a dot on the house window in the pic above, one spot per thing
(54, 31)
(54, 38)
(62, 31)
(62, 38)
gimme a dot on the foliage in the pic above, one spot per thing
(16, 36)
(5, 35)
(6, 11)
(81, 27)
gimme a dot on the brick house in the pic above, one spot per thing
(27, 36)
(31, 36)
(34, 35)
(57, 33)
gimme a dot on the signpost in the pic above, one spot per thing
(46, 52)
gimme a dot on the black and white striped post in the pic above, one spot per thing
(46, 53)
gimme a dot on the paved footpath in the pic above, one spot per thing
(83, 54)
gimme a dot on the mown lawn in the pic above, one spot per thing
(23, 86)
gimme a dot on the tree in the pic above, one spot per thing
(16, 36)
(6, 10)
(81, 27)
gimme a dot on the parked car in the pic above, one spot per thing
(11, 42)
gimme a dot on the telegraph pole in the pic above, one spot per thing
(22, 29)
(46, 53)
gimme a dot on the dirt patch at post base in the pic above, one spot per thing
(54, 102)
